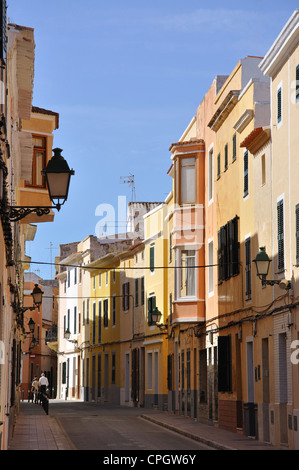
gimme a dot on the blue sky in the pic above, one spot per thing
(126, 79)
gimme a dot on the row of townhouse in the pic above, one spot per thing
(224, 350)
(26, 140)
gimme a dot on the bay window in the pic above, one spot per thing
(185, 274)
(188, 181)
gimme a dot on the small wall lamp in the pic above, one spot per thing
(262, 264)
(67, 335)
(156, 316)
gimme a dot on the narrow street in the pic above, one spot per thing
(92, 426)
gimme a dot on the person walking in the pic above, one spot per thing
(35, 390)
(43, 384)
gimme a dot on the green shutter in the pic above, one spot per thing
(246, 173)
(280, 235)
(152, 258)
(279, 105)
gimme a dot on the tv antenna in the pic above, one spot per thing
(130, 180)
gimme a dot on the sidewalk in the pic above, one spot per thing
(35, 430)
(206, 434)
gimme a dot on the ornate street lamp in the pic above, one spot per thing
(156, 316)
(262, 264)
(31, 325)
(57, 174)
(67, 335)
(37, 295)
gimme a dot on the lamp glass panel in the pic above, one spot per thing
(58, 184)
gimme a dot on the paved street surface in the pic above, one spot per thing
(93, 426)
(74, 425)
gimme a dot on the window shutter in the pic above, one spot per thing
(297, 234)
(220, 275)
(151, 305)
(279, 105)
(3, 33)
(236, 247)
(230, 257)
(280, 235)
(226, 157)
(106, 312)
(297, 83)
(234, 147)
(246, 173)
(152, 258)
(248, 268)
(218, 166)
(224, 364)
(169, 372)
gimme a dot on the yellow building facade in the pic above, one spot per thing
(156, 297)
(281, 65)
(242, 104)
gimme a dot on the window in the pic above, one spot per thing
(106, 277)
(63, 379)
(224, 364)
(152, 258)
(113, 366)
(279, 105)
(136, 292)
(87, 311)
(75, 275)
(151, 305)
(263, 169)
(93, 323)
(297, 83)
(125, 296)
(69, 319)
(100, 321)
(226, 157)
(248, 268)
(211, 176)
(113, 310)
(38, 162)
(188, 181)
(170, 308)
(75, 320)
(83, 319)
(218, 166)
(106, 305)
(234, 147)
(142, 291)
(280, 235)
(228, 250)
(149, 370)
(211, 267)
(185, 276)
(246, 173)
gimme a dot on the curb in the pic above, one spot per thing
(203, 440)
